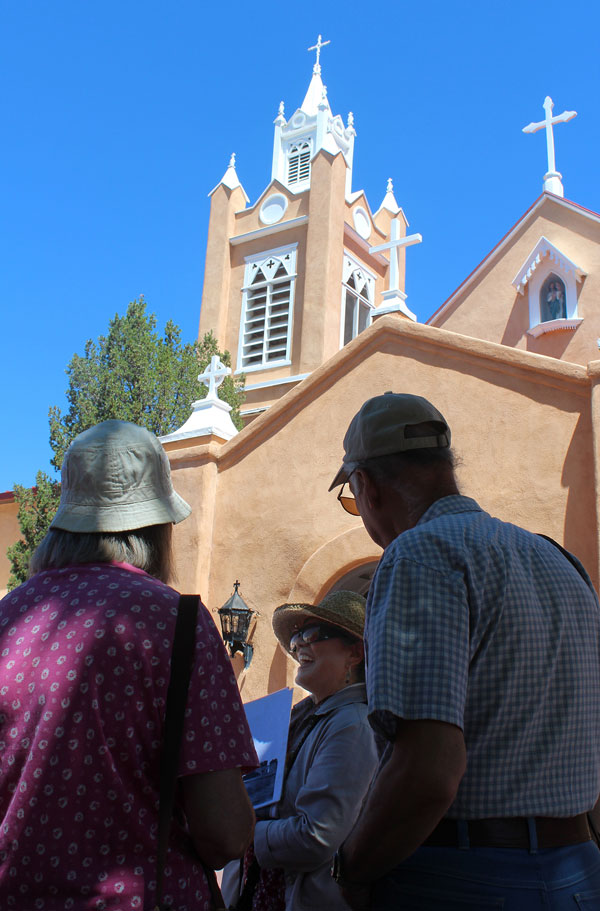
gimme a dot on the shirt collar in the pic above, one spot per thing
(452, 505)
(356, 692)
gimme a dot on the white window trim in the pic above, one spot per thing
(259, 259)
(349, 267)
(544, 259)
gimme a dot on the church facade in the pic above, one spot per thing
(305, 287)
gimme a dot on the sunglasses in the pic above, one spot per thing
(316, 632)
(348, 502)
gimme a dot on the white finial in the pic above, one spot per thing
(281, 109)
(232, 160)
(213, 376)
(390, 185)
(552, 179)
(350, 119)
(317, 47)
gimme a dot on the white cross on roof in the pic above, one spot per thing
(214, 375)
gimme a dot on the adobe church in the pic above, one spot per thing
(305, 286)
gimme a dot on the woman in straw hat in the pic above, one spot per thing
(85, 650)
(331, 760)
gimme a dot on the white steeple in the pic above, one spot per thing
(311, 128)
(389, 200)
(230, 179)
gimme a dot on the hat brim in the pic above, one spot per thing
(287, 618)
(127, 517)
(343, 474)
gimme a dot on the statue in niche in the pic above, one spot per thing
(553, 299)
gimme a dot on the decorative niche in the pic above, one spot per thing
(550, 280)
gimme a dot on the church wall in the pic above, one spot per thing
(523, 436)
(491, 308)
(217, 268)
(9, 533)
(320, 334)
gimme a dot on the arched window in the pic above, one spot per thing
(357, 300)
(299, 162)
(553, 299)
(266, 311)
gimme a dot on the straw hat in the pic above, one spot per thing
(116, 477)
(345, 610)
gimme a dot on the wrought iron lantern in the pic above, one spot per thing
(236, 617)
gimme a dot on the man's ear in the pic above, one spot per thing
(367, 486)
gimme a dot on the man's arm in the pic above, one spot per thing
(411, 794)
(219, 814)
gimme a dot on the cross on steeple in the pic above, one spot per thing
(213, 376)
(317, 47)
(394, 296)
(552, 179)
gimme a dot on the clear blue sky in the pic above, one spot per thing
(119, 117)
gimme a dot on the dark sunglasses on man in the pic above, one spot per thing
(316, 632)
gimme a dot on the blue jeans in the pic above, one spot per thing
(479, 879)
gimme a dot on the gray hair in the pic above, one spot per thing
(146, 548)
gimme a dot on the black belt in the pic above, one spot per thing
(511, 832)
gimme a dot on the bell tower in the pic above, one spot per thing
(295, 275)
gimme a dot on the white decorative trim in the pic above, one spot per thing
(362, 222)
(553, 325)
(253, 411)
(282, 381)
(495, 253)
(546, 259)
(544, 248)
(269, 262)
(395, 303)
(350, 265)
(270, 229)
(273, 209)
(210, 417)
(259, 367)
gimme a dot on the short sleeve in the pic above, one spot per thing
(216, 732)
(417, 645)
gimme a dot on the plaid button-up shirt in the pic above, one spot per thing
(481, 624)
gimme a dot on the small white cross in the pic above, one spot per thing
(394, 244)
(213, 376)
(548, 123)
(317, 47)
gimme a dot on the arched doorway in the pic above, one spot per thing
(357, 580)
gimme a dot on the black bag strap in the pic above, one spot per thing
(182, 659)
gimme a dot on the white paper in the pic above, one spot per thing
(269, 720)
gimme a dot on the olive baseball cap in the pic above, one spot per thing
(379, 429)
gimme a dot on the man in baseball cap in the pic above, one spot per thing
(483, 675)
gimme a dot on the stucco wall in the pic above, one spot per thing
(521, 428)
(490, 307)
(9, 533)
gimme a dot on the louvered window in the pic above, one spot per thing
(299, 163)
(267, 309)
(357, 296)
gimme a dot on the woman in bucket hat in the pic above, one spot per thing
(85, 649)
(331, 760)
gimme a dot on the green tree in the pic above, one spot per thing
(37, 506)
(132, 374)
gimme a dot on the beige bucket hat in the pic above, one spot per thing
(343, 609)
(116, 477)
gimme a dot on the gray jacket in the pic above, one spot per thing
(321, 801)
